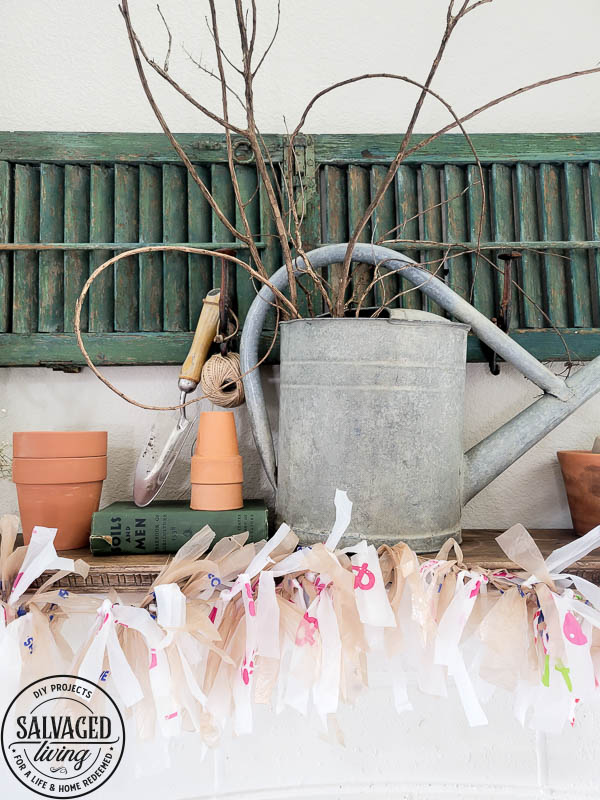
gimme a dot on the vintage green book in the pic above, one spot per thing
(164, 526)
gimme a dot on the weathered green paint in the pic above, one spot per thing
(509, 148)
(150, 264)
(248, 185)
(308, 205)
(552, 228)
(170, 347)
(271, 254)
(482, 272)
(530, 273)
(432, 226)
(359, 195)
(335, 217)
(503, 229)
(407, 227)
(199, 229)
(26, 229)
(51, 265)
(77, 229)
(126, 228)
(6, 196)
(577, 267)
(121, 246)
(384, 224)
(175, 288)
(553, 178)
(101, 295)
(222, 191)
(31, 146)
(594, 184)
(455, 212)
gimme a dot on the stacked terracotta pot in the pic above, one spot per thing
(59, 476)
(216, 464)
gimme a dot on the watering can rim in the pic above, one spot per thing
(424, 318)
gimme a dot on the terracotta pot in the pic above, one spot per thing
(581, 474)
(216, 464)
(59, 444)
(59, 478)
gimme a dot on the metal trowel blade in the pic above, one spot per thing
(158, 456)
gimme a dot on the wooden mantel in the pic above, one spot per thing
(133, 573)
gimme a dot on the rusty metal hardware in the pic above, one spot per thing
(226, 299)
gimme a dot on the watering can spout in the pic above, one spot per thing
(488, 459)
(493, 455)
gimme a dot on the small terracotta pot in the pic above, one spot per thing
(216, 464)
(59, 491)
(581, 474)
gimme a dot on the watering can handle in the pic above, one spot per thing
(493, 455)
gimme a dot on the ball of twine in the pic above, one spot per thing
(221, 380)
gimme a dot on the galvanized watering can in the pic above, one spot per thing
(375, 407)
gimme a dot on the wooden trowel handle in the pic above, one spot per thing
(206, 330)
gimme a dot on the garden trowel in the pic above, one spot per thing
(165, 442)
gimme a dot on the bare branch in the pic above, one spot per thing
(515, 93)
(271, 43)
(223, 53)
(235, 183)
(393, 167)
(209, 72)
(163, 123)
(124, 9)
(166, 64)
(451, 23)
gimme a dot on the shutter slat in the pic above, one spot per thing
(248, 184)
(577, 267)
(594, 183)
(530, 273)
(482, 272)
(175, 290)
(552, 230)
(5, 236)
(126, 230)
(26, 229)
(51, 264)
(199, 267)
(222, 191)
(432, 228)
(503, 230)
(151, 264)
(271, 254)
(358, 200)
(384, 222)
(335, 218)
(101, 307)
(77, 229)
(407, 227)
(455, 211)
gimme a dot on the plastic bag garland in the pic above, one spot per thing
(269, 623)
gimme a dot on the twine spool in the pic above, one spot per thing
(216, 374)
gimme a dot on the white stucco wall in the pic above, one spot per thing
(67, 66)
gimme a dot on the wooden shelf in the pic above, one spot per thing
(137, 572)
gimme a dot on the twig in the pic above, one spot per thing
(154, 249)
(163, 123)
(166, 64)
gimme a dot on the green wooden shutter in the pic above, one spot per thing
(88, 196)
